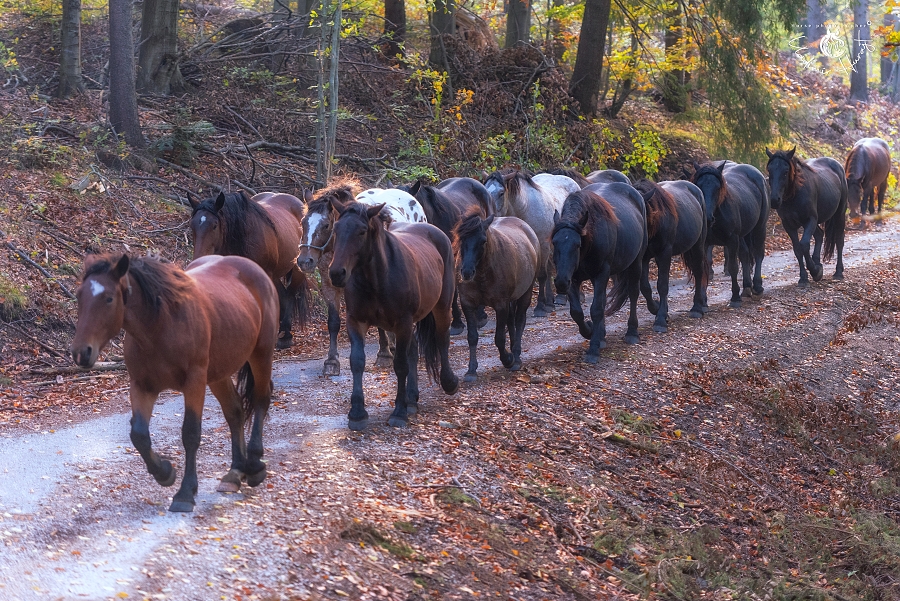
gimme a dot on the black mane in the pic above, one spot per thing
(161, 283)
(235, 217)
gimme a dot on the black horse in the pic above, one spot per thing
(737, 207)
(601, 232)
(676, 225)
(805, 194)
(444, 207)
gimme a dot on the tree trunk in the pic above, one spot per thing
(859, 89)
(123, 113)
(395, 26)
(554, 33)
(518, 22)
(887, 65)
(70, 81)
(158, 71)
(815, 21)
(585, 82)
(443, 22)
(674, 81)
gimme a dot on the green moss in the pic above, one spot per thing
(12, 300)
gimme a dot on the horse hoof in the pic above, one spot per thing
(398, 422)
(803, 284)
(450, 384)
(817, 275)
(516, 366)
(168, 480)
(695, 314)
(634, 339)
(540, 312)
(256, 479)
(660, 329)
(230, 482)
(561, 299)
(181, 506)
(759, 292)
(412, 408)
(456, 330)
(284, 343)
(837, 276)
(482, 321)
(358, 425)
(506, 360)
(332, 368)
(735, 304)
(592, 359)
(746, 293)
(470, 377)
(384, 361)
(705, 309)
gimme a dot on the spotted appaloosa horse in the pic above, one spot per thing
(317, 249)
(186, 329)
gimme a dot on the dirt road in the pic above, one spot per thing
(81, 519)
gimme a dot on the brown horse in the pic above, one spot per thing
(186, 330)
(498, 260)
(867, 168)
(266, 230)
(394, 279)
(316, 251)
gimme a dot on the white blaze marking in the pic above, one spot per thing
(492, 186)
(314, 220)
(202, 218)
(97, 288)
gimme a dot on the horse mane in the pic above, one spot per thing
(585, 208)
(659, 204)
(711, 169)
(444, 210)
(797, 170)
(235, 216)
(344, 189)
(161, 282)
(572, 174)
(851, 161)
(469, 225)
(514, 185)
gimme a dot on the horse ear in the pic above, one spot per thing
(647, 194)
(555, 216)
(337, 205)
(193, 201)
(695, 165)
(790, 154)
(121, 267)
(769, 153)
(414, 189)
(721, 167)
(306, 196)
(487, 222)
(374, 211)
(509, 176)
(484, 176)
(220, 201)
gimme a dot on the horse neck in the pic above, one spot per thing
(140, 321)
(519, 202)
(375, 267)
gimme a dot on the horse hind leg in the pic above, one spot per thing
(400, 416)
(882, 188)
(258, 395)
(230, 401)
(663, 264)
(285, 312)
(386, 354)
(646, 289)
(412, 378)
(456, 325)
(519, 317)
(693, 261)
(184, 499)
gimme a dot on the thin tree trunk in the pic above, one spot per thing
(518, 22)
(623, 92)
(443, 22)
(158, 71)
(674, 81)
(859, 88)
(123, 113)
(281, 11)
(395, 26)
(70, 81)
(554, 32)
(887, 65)
(585, 82)
(815, 21)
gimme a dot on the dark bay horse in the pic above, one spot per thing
(444, 207)
(186, 330)
(601, 232)
(401, 279)
(317, 250)
(676, 225)
(737, 207)
(602, 176)
(534, 199)
(264, 229)
(867, 168)
(806, 194)
(497, 259)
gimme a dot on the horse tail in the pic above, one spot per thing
(302, 296)
(246, 387)
(618, 295)
(834, 228)
(426, 336)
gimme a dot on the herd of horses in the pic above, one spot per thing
(412, 261)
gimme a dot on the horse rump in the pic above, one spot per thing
(426, 336)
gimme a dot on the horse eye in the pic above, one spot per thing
(109, 300)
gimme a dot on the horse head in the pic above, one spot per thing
(317, 225)
(101, 298)
(566, 240)
(469, 240)
(711, 181)
(355, 225)
(782, 173)
(495, 184)
(207, 225)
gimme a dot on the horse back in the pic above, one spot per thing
(748, 195)
(869, 161)
(631, 229)
(555, 188)
(466, 192)
(691, 213)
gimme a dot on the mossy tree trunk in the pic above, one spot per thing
(158, 71)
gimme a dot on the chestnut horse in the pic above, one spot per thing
(317, 250)
(264, 229)
(186, 329)
(867, 168)
(395, 279)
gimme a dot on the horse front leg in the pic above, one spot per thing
(472, 339)
(519, 317)
(412, 378)
(882, 188)
(746, 271)
(663, 265)
(456, 325)
(399, 418)
(502, 311)
(598, 317)
(543, 278)
(385, 356)
(646, 289)
(814, 260)
(798, 253)
(285, 309)
(731, 264)
(585, 328)
(332, 296)
(183, 501)
(358, 418)
(142, 402)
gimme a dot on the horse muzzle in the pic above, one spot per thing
(306, 264)
(338, 277)
(466, 275)
(84, 355)
(562, 286)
